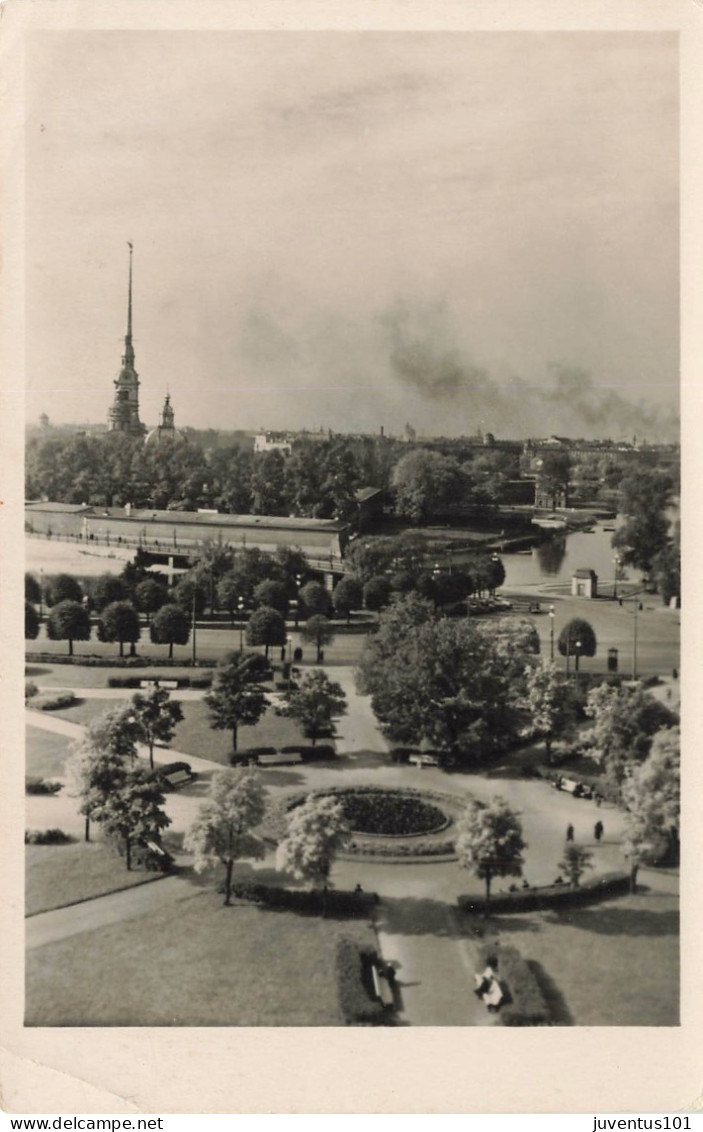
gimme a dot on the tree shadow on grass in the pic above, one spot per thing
(363, 760)
(35, 670)
(271, 777)
(609, 919)
(559, 1011)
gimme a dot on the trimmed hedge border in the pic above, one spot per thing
(356, 1004)
(552, 896)
(37, 785)
(54, 703)
(183, 681)
(339, 903)
(46, 837)
(526, 1005)
(90, 660)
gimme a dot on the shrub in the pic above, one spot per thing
(33, 785)
(350, 904)
(551, 896)
(403, 849)
(30, 689)
(55, 702)
(46, 837)
(93, 661)
(357, 1006)
(526, 1005)
(203, 681)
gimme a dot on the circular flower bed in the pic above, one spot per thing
(393, 822)
(391, 814)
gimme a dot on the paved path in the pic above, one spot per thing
(358, 730)
(47, 927)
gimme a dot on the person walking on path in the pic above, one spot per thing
(569, 832)
(598, 830)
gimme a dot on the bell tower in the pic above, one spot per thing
(124, 413)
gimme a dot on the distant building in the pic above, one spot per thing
(165, 432)
(273, 442)
(124, 412)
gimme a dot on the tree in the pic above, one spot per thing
(644, 500)
(222, 829)
(213, 560)
(553, 476)
(266, 627)
(318, 631)
(273, 594)
(106, 590)
(625, 721)
(377, 594)
(347, 596)
(424, 481)
(268, 484)
(170, 626)
(574, 862)
(156, 716)
(577, 639)
(100, 761)
(119, 622)
(68, 621)
(236, 696)
(316, 831)
(652, 797)
(63, 587)
(190, 589)
(550, 701)
(132, 814)
(316, 702)
(31, 622)
(32, 589)
(149, 597)
(447, 682)
(314, 599)
(666, 570)
(490, 842)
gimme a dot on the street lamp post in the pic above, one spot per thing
(551, 632)
(240, 611)
(41, 593)
(577, 654)
(194, 626)
(616, 564)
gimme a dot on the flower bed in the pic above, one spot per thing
(397, 822)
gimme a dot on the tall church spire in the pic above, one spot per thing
(124, 413)
(128, 358)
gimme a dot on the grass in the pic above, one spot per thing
(86, 710)
(56, 875)
(46, 753)
(194, 736)
(609, 964)
(193, 963)
(79, 676)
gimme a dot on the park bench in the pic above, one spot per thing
(149, 685)
(381, 986)
(178, 777)
(291, 758)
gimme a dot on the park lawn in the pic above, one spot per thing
(56, 875)
(84, 711)
(610, 964)
(194, 736)
(89, 676)
(193, 963)
(45, 753)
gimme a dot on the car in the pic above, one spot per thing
(423, 760)
(502, 603)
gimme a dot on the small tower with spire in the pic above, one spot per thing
(124, 412)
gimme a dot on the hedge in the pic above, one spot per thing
(89, 660)
(354, 986)
(54, 703)
(552, 896)
(306, 900)
(183, 681)
(415, 849)
(526, 1004)
(35, 785)
(46, 837)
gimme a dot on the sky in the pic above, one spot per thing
(352, 230)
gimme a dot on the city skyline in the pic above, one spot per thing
(355, 230)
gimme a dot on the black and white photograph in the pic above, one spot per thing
(352, 528)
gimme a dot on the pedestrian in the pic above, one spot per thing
(598, 830)
(598, 799)
(569, 832)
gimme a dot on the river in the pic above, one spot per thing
(559, 556)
